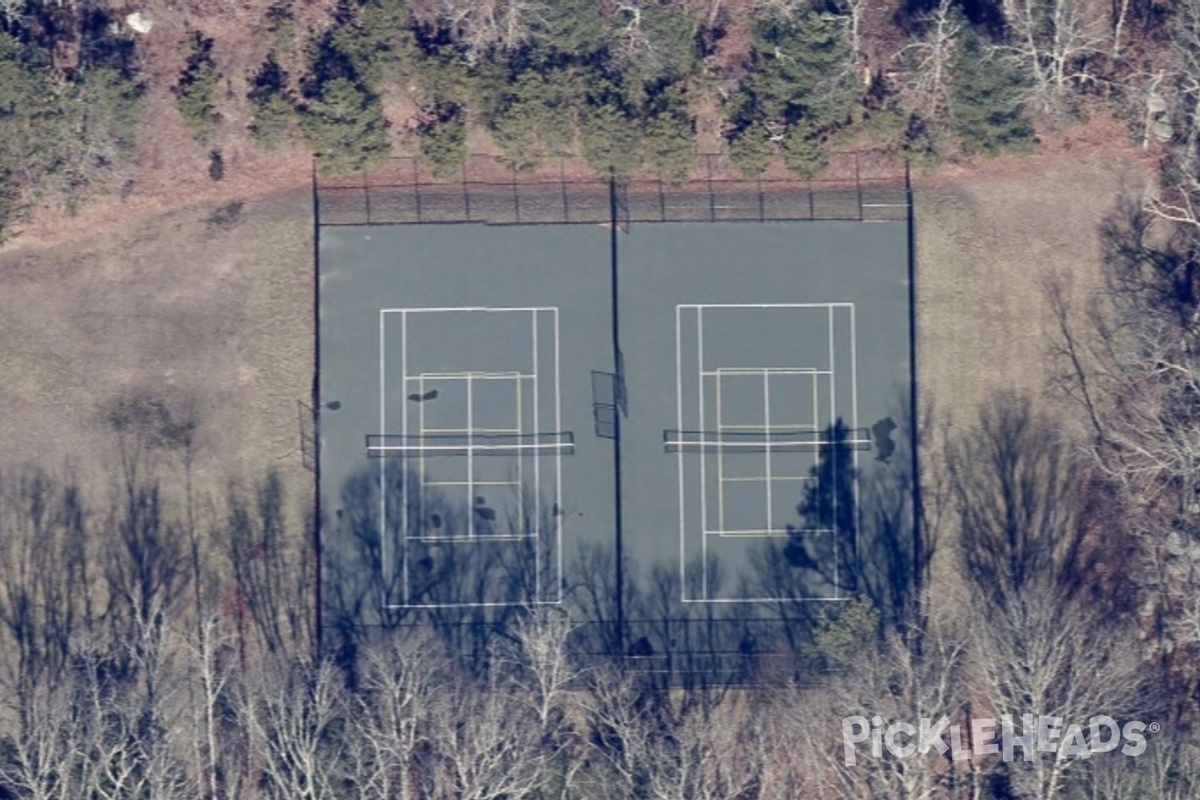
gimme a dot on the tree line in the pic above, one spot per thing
(619, 83)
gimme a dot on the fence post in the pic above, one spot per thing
(367, 194)
(466, 189)
(712, 199)
(562, 182)
(662, 202)
(417, 187)
(858, 185)
(516, 197)
(762, 208)
(812, 205)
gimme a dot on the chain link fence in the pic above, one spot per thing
(858, 186)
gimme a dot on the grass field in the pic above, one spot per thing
(207, 308)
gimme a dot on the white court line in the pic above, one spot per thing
(763, 428)
(703, 455)
(404, 473)
(558, 498)
(473, 483)
(471, 375)
(383, 535)
(854, 420)
(559, 447)
(743, 601)
(720, 457)
(461, 309)
(448, 606)
(476, 430)
(765, 305)
(472, 448)
(697, 445)
(768, 370)
(702, 443)
(498, 537)
(679, 457)
(537, 472)
(750, 371)
(837, 579)
(767, 421)
(521, 519)
(470, 456)
(775, 478)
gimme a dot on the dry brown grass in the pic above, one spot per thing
(173, 306)
(988, 234)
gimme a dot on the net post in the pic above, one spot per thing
(662, 201)
(762, 208)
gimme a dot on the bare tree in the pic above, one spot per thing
(928, 60)
(1053, 43)
(487, 741)
(888, 680)
(1046, 657)
(705, 756)
(1132, 366)
(295, 717)
(483, 25)
(391, 726)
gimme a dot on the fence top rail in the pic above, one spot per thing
(406, 195)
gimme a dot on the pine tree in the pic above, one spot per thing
(345, 123)
(986, 108)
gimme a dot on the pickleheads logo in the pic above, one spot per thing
(991, 736)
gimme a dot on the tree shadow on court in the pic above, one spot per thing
(853, 535)
(856, 533)
(394, 561)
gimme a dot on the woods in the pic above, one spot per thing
(631, 85)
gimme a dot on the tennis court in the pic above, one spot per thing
(648, 426)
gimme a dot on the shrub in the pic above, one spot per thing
(273, 109)
(195, 91)
(442, 133)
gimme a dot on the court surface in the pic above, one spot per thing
(470, 413)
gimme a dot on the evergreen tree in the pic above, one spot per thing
(273, 110)
(195, 91)
(611, 138)
(986, 108)
(442, 133)
(345, 123)
(532, 116)
(802, 88)
(669, 135)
